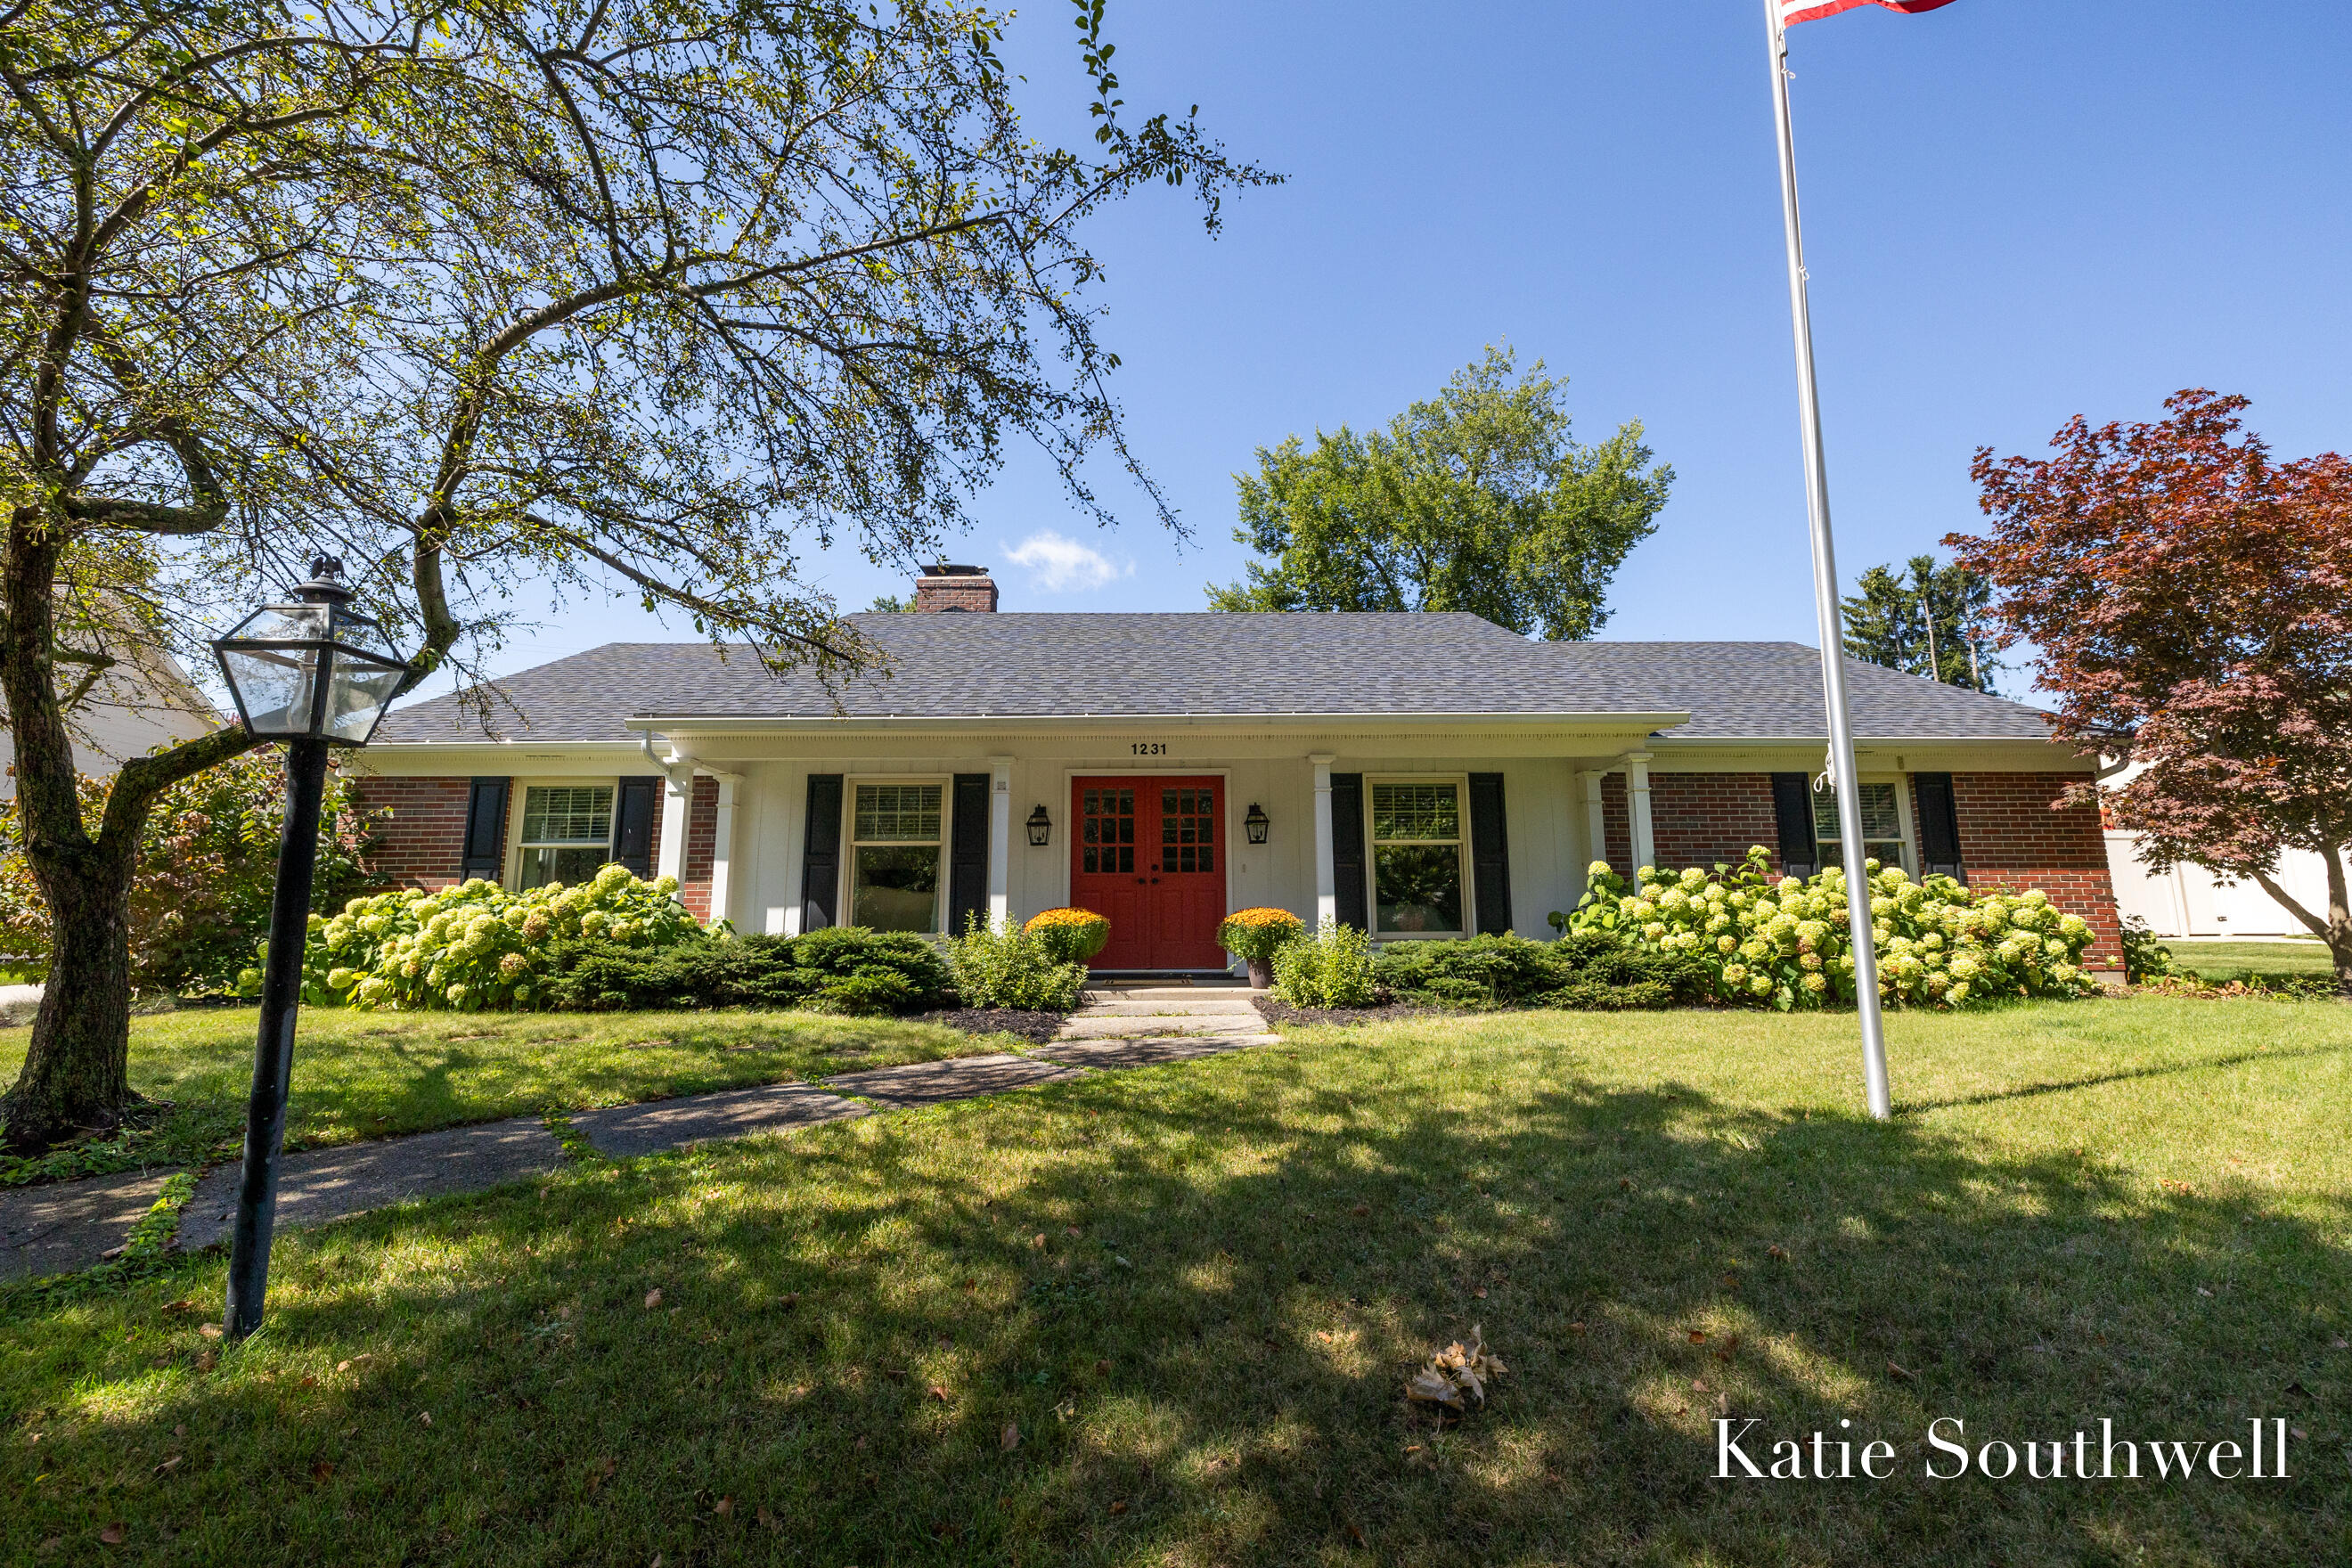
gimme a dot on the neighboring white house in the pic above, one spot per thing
(2191, 901)
(129, 712)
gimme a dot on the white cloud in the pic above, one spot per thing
(1061, 565)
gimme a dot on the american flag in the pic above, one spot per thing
(1795, 11)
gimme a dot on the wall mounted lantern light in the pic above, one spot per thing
(1040, 828)
(1255, 824)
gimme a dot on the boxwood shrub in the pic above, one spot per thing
(1591, 972)
(847, 970)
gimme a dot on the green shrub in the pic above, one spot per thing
(2144, 958)
(1784, 944)
(1586, 972)
(854, 969)
(1006, 966)
(1333, 968)
(845, 970)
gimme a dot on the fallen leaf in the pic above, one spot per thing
(723, 1507)
(1480, 1292)
(425, 1418)
(2341, 1345)
(1010, 1438)
(1625, 1181)
(768, 1518)
(1361, 1210)
(208, 1360)
(181, 1430)
(1413, 1447)
(1698, 1336)
(210, 1331)
(859, 1445)
(168, 1466)
(1354, 1534)
(1038, 1241)
(652, 1297)
(1576, 1328)
(1899, 1371)
(1119, 1506)
(182, 1305)
(1102, 1368)
(321, 1469)
(1776, 1250)
(2203, 1291)
(2298, 1434)
(1071, 1229)
(1430, 1386)
(113, 1533)
(309, 1381)
(972, 1284)
(601, 1470)
(941, 1395)
(1698, 1386)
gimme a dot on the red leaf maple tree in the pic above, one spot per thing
(2191, 598)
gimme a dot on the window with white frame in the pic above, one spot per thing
(1417, 857)
(1882, 825)
(896, 847)
(567, 833)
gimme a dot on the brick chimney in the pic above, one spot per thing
(946, 587)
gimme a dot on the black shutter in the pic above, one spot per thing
(967, 853)
(1939, 826)
(1792, 808)
(1490, 854)
(1348, 849)
(633, 825)
(485, 850)
(821, 853)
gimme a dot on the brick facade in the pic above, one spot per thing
(1617, 825)
(2010, 838)
(1699, 819)
(420, 836)
(701, 847)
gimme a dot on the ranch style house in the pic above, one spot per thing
(1420, 777)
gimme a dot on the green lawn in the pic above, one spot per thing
(372, 1074)
(2222, 962)
(1195, 1292)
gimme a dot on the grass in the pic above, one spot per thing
(375, 1075)
(1194, 1292)
(2223, 962)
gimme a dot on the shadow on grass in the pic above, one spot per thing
(1209, 1371)
(2093, 1081)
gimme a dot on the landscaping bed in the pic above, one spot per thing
(1028, 1023)
(1166, 1316)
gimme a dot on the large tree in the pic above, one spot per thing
(2191, 601)
(1925, 619)
(1477, 499)
(634, 295)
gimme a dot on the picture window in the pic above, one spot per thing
(1417, 852)
(897, 845)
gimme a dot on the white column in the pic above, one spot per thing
(1596, 820)
(677, 793)
(1326, 876)
(1637, 804)
(1000, 842)
(722, 843)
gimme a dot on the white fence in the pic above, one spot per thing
(2189, 900)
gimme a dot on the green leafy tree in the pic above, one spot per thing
(1476, 499)
(486, 294)
(1923, 621)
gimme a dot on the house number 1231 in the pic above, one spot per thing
(1151, 748)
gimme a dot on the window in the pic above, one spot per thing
(894, 857)
(567, 833)
(1417, 859)
(1882, 825)
(1108, 835)
(1188, 830)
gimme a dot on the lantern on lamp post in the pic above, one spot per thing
(314, 675)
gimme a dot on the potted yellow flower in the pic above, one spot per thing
(1254, 936)
(1071, 936)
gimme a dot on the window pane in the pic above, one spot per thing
(1880, 816)
(1188, 830)
(568, 814)
(900, 813)
(1414, 811)
(1107, 831)
(568, 867)
(1419, 887)
(896, 889)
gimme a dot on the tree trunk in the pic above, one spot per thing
(2335, 928)
(77, 1074)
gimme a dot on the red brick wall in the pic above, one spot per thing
(2012, 840)
(1699, 819)
(702, 848)
(1617, 825)
(422, 842)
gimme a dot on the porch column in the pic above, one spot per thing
(675, 797)
(722, 845)
(1637, 804)
(1596, 821)
(1326, 876)
(1000, 842)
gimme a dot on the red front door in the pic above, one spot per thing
(1148, 855)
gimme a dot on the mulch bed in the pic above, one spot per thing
(1277, 1012)
(1032, 1026)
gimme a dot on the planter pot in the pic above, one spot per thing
(1261, 973)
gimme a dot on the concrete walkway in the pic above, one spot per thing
(71, 1226)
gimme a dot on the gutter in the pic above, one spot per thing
(1612, 723)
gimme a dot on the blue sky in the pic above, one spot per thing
(2016, 210)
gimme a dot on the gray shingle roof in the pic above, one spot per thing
(1058, 665)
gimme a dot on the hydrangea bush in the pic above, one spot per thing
(1785, 943)
(476, 945)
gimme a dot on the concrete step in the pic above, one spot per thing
(1081, 1027)
(1203, 1008)
(1121, 993)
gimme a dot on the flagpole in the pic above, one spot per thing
(1825, 605)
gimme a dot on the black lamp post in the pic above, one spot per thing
(1255, 824)
(313, 675)
(1040, 828)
